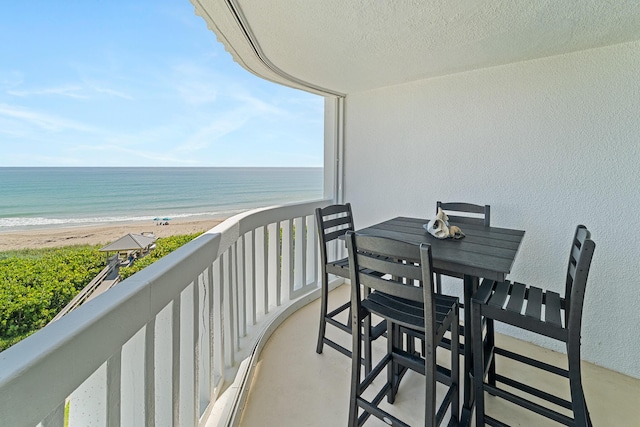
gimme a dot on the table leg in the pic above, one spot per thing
(470, 286)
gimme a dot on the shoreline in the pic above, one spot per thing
(54, 237)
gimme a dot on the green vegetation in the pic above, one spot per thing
(35, 284)
(164, 246)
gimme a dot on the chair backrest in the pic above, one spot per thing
(395, 268)
(582, 248)
(455, 209)
(332, 222)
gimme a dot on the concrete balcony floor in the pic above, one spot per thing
(294, 386)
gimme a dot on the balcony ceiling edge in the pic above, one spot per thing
(334, 47)
(236, 36)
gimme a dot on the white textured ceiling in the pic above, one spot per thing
(345, 46)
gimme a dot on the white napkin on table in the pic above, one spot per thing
(440, 228)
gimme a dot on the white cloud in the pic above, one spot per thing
(71, 91)
(257, 105)
(196, 85)
(197, 93)
(208, 135)
(74, 91)
(10, 78)
(41, 120)
(112, 92)
(123, 156)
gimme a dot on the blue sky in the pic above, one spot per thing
(139, 83)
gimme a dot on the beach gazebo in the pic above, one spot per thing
(138, 244)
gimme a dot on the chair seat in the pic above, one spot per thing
(522, 306)
(339, 267)
(411, 313)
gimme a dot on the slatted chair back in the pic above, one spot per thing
(456, 210)
(390, 266)
(393, 280)
(577, 273)
(332, 222)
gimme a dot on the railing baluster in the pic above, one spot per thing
(287, 259)
(175, 361)
(210, 359)
(227, 311)
(232, 294)
(251, 265)
(114, 375)
(275, 249)
(203, 391)
(312, 251)
(242, 286)
(271, 263)
(300, 258)
(195, 345)
(149, 373)
(233, 272)
(262, 252)
(218, 316)
(87, 403)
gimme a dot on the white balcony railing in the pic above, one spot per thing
(165, 346)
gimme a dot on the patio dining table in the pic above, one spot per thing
(485, 252)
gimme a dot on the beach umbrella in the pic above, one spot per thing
(156, 219)
(166, 218)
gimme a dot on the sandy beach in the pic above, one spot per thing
(97, 235)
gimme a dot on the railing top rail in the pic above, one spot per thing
(236, 226)
(247, 221)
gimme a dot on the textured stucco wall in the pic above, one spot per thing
(548, 143)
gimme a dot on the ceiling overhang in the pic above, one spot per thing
(333, 47)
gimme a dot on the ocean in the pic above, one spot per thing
(32, 198)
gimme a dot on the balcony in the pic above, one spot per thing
(202, 338)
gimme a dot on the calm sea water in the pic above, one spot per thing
(58, 197)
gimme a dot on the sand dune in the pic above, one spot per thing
(101, 234)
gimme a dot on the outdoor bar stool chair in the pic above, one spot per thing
(458, 212)
(332, 223)
(545, 313)
(401, 292)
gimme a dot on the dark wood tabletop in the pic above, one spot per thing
(487, 252)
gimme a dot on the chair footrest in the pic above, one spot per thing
(341, 349)
(337, 346)
(329, 318)
(531, 362)
(526, 403)
(339, 310)
(339, 325)
(533, 391)
(493, 422)
(371, 408)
